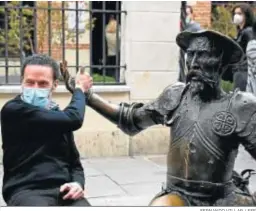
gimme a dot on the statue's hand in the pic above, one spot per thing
(68, 79)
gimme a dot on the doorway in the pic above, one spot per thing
(98, 34)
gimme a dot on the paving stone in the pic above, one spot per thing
(130, 176)
(121, 201)
(138, 189)
(126, 181)
(98, 186)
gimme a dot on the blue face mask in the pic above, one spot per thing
(36, 96)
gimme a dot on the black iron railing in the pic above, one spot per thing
(43, 27)
(182, 54)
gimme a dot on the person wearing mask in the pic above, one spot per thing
(112, 37)
(243, 18)
(40, 159)
(191, 24)
(251, 59)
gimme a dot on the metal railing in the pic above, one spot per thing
(27, 28)
(182, 54)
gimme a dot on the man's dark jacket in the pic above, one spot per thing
(38, 145)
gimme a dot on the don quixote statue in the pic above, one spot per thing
(208, 125)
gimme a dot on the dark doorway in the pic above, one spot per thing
(98, 35)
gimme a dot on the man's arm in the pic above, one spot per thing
(248, 136)
(70, 119)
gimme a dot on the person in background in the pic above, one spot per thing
(40, 159)
(191, 24)
(243, 18)
(112, 42)
(251, 59)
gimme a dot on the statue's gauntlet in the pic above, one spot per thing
(122, 115)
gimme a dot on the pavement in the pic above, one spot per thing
(132, 181)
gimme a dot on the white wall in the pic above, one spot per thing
(151, 55)
(150, 51)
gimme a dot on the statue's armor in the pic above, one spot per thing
(204, 135)
(203, 147)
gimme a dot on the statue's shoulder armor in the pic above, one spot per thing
(243, 107)
(168, 100)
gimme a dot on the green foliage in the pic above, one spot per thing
(19, 24)
(227, 86)
(20, 21)
(100, 78)
(57, 25)
(222, 20)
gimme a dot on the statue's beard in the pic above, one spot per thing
(202, 85)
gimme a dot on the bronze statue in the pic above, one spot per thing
(208, 125)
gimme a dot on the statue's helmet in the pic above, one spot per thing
(232, 52)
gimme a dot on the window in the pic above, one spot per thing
(16, 38)
(85, 34)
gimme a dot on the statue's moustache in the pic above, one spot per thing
(199, 76)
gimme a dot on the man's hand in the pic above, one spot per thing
(73, 189)
(83, 81)
(71, 82)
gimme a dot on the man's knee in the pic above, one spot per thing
(30, 199)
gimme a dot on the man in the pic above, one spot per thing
(40, 159)
(207, 124)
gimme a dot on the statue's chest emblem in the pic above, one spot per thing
(223, 123)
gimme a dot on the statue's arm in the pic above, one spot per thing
(130, 118)
(135, 117)
(245, 109)
(248, 136)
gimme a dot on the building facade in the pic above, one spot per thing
(203, 10)
(148, 63)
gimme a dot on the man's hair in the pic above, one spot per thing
(43, 60)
